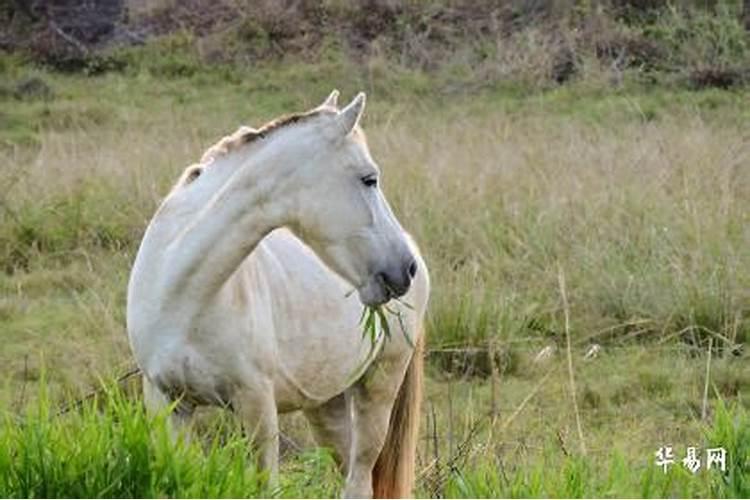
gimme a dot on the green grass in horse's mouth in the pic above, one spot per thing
(375, 323)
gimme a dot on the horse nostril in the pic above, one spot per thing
(412, 270)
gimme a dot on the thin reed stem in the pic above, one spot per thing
(704, 408)
(571, 375)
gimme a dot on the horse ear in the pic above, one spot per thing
(332, 100)
(350, 115)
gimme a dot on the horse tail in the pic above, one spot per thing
(393, 475)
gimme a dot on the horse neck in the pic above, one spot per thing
(202, 238)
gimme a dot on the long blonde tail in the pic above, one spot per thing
(393, 475)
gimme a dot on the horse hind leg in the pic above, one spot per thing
(331, 425)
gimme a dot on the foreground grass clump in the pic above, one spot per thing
(108, 447)
(117, 452)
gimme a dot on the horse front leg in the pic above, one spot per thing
(157, 402)
(331, 425)
(261, 422)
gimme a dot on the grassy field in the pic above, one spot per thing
(625, 210)
(114, 450)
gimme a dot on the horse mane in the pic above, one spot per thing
(243, 136)
(246, 135)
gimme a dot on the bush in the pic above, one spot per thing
(708, 49)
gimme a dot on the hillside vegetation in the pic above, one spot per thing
(478, 43)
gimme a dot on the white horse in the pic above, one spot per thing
(240, 295)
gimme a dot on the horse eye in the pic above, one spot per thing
(370, 180)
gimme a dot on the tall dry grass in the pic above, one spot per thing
(647, 219)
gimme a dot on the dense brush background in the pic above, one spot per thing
(577, 174)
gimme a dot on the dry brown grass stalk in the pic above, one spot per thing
(571, 372)
(704, 405)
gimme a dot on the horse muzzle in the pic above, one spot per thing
(390, 283)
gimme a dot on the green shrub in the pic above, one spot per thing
(707, 48)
